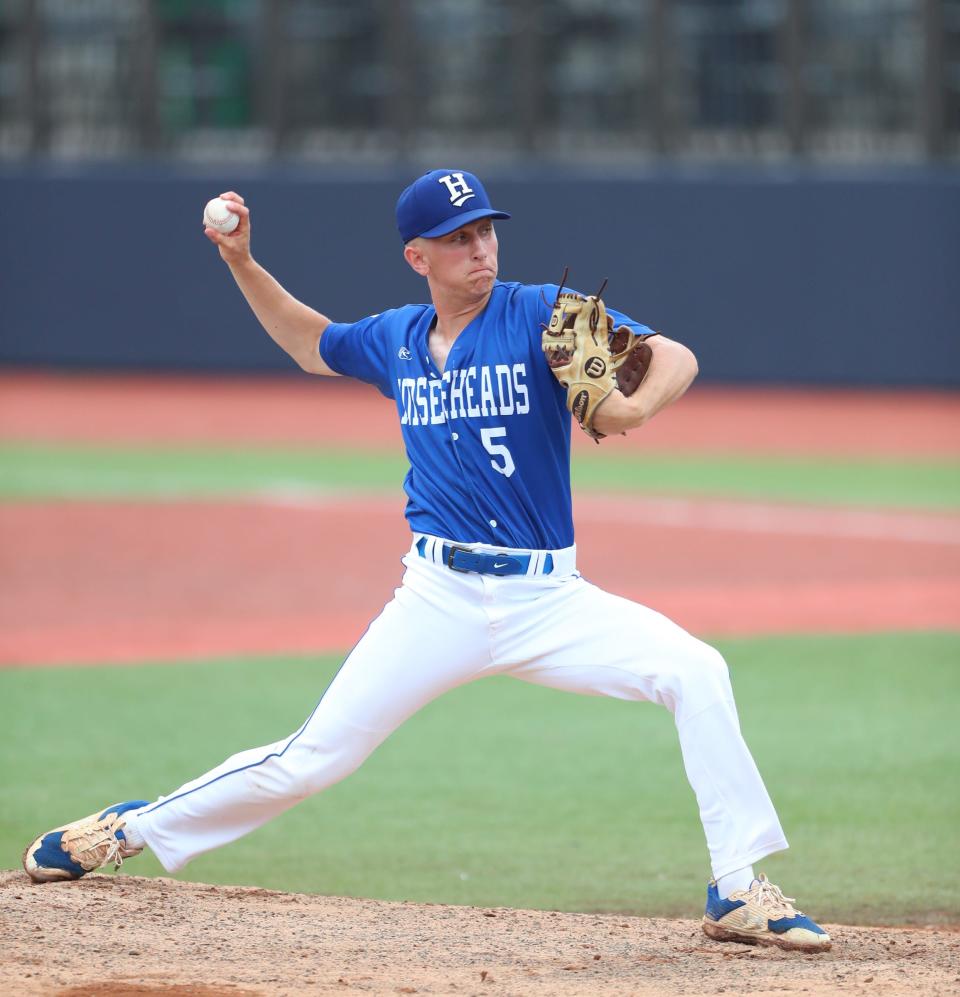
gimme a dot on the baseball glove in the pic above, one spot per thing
(589, 357)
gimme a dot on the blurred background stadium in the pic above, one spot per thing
(774, 181)
(374, 81)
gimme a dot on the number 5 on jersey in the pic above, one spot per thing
(497, 450)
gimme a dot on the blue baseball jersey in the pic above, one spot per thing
(488, 438)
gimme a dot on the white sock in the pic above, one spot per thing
(733, 881)
(130, 831)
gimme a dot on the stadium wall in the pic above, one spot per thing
(779, 277)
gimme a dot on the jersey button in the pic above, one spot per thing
(493, 523)
(454, 436)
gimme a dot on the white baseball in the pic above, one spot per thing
(217, 215)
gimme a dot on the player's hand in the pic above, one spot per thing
(234, 246)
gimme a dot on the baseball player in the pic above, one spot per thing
(482, 378)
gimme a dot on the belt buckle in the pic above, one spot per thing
(453, 549)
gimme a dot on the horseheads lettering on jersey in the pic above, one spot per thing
(466, 393)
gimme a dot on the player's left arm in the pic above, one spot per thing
(672, 370)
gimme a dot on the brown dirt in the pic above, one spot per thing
(297, 410)
(108, 935)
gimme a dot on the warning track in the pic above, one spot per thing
(297, 410)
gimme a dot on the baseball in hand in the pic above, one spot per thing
(217, 215)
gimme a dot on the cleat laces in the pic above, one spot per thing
(97, 844)
(771, 897)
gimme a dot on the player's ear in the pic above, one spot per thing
(413, 254)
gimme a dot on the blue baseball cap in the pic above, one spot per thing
(440, 202)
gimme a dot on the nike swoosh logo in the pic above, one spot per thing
(505, 563)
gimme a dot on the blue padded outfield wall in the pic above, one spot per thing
(783, 277)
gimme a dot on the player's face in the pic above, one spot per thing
(464, 260)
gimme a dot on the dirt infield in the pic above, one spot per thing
(124, 935)
(139, 581)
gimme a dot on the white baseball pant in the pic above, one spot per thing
(445, 628)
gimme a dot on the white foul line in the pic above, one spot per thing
(765, 517)
(854, 523)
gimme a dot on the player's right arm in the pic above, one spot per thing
(292, 325)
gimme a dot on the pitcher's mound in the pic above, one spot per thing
(120, 935)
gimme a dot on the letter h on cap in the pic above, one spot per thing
(460, 190)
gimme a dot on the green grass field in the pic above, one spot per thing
(502, 793)
(31, 471)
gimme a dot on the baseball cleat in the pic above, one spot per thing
(761, 915)
(73, 850)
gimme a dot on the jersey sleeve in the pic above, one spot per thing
(360, 350)
(549, 295)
